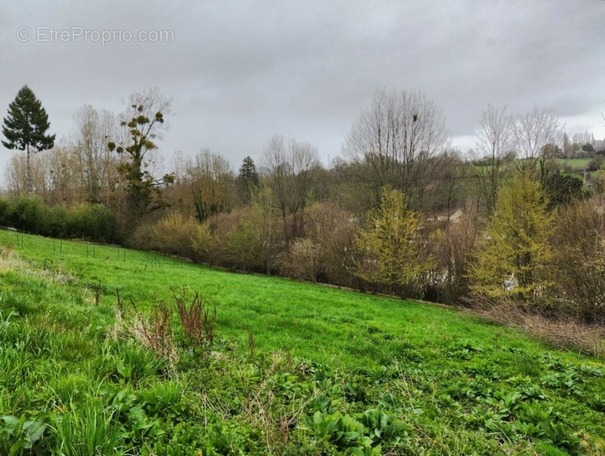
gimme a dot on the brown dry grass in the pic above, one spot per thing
(566, 334)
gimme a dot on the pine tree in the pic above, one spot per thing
(247, 179)
(390, 247)
(25, 127)
(514, 250)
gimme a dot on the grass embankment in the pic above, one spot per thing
(329, 371)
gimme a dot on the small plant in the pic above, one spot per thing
(197, 321)
(155, 332)
(20, 436)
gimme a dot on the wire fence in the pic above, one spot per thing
(60, 249)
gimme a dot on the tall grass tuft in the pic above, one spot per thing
(88, 430)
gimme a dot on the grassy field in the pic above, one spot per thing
(576, 164)
(295, 368)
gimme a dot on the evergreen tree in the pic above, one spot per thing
(390, 247)
(514, 250)
(25, 127)
(247, 179)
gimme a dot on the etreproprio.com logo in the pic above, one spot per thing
(44, 34)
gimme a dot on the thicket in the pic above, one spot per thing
(92, 222)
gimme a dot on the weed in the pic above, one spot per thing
(196, 320)
(155, 332)
(21, 435)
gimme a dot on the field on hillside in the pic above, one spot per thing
(576, 164)
(294, 368)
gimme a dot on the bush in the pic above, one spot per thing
(202, 243)
(325, 253)
(93, 222)
(6, 212)
(246, 239)
(174, 234)
(302, 260)
(578, 266)
(29, 215)
(86, 221)
(452, 247)
(333, 230)
(56, 222)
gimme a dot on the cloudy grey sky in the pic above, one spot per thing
(241, 71)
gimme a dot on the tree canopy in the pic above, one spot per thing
(25, 127)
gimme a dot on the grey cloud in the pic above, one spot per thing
(240, 72)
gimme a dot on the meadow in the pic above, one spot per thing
(293, 367)
(576, 164)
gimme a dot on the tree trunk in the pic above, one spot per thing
(29, 172)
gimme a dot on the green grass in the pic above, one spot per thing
(576, 164)
(332, 372)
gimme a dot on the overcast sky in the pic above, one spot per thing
(239, 72)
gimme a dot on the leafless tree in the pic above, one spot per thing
(288, 167)
(533, 131)
(96, 164)
(52, 175)
(211, 182)
(400, 136)
(495, 140)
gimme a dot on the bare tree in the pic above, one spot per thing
(400, 136)
(51, 175)
(533, 131)
(211, 181)
(96, 164)
(495, 139)
(144, 123)
(288, 167)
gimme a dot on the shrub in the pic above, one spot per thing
(173, 234)
(143, 237)
(302, 260)
(333, 230)
(245, 239)
(201, 243)
(6, 212)
(56, 222)
(93, 222)
(578, 266)
(29, 215)
(452, 247)
(86, 221)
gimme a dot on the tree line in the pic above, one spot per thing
(400, 211)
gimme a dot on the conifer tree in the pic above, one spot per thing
(514, 250)
(25, 127)
(247, 180)
(390, 247)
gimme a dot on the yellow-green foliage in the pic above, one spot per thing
(174, 234)
(514, 245)
(390, 247)
(202, 242)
